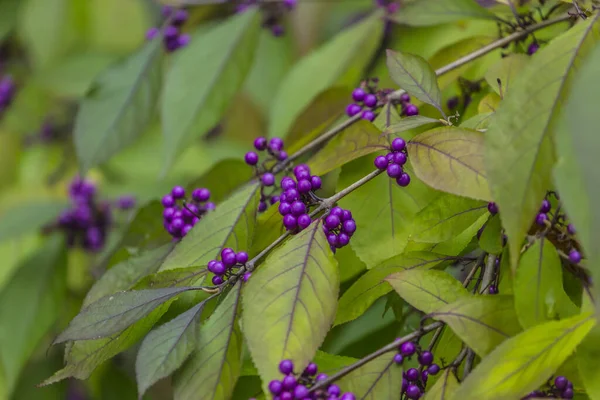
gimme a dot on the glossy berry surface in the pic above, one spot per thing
(179, 215)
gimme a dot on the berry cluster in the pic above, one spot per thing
(172, 37)
(86, 222)
(179, 219)
(297, 197)
(275, 152)
(365, 100)
(7, 92)
(413, 380)
(339, 226)
(393, 162)
(560, 387)
(229, 260)
(391, 7)
(294, 386)
(273, 13)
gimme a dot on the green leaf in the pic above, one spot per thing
(451, 159)
(480, 121)
(491, 240)
(357, 140)
(520, 137)
(167, 347)
(408, 123)
(204, 78)
(482, 322)
(446, 217)
(525, 362)
(427, 290)
(376, 380)
(119, 106)
(179, 277)
(294, 295)
(434, 12)
(113, 313)
(506, 69)
(339, 62)
(231, 224)
(444, 387)
(9, 9)
(27, 217)
(413, 74)
(29, 306)
(372, 285)
(214, 368)
(383, 210)
(587, 360)
(223, 178)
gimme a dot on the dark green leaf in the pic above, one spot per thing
(376, 380)
(294, 295)
(519, 148)
(231, 224)
(451, 159)
(357, 140)
(506, 70)
(167, 347)
(524, 363)
(445, 218)
(191, 276)
(29, 306)
(444, 387)
(204, 78)
(413, 74)
(427, 290)
(491, 240)
(113, 313)
(119, 106)
(482, 322)
(433, 12)
(215, 366)
(28, 217)
(9, 10)
(408, 123)
(222, 179)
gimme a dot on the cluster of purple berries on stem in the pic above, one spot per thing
(230, 260)
(275, 152)
(179, 216)
(273, 12)
(339, 226)
(297, 196)
(391, 7)
(414, 380)
(172, 37)
(297, 386)
(366, 100)
(393, 162)
(7, 92)
(560, 387)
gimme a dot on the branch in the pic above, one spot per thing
(488, 273)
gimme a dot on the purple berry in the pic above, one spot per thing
(399, 158)
(370, 100)
(300, 392)
(348, 396)
(201, 195)
(275, 144)
(289, 382)
(246, 276)
(315, 182)
(290, 4)
(171, 32)
(178, 214)
(394, 170)
(178, 192)
(218, 268)
(545, 207)
(404, 98)
(275, 387)
(290, 222)
(217, 280)
(411, 110)
(541, 219)
(304, 186)
(332, 239)
(291, 195)
(210, 206)
(332, 221)
(425, 358)
(262, 206)
(412, 374)
(282, 155)
(251, 158)
(408, 349)
(260, 143)
(493, 289)
(568, 393)
(267, 179)
(285, 208)
(226, 250)
(358, 94)
(286, 396)
(177, 224)
(274, 200)
(492, 208)
(190, 211)
(368, 115)
(533, 48)
(381, 162)
(334, 390)
(346, 215)
(304, 221)
(413, 392)
(180, 17)
(229, 259)
(298, 208)
(286, 367)
(241, 257)
(343, 240)
(574, 256)
(571, 229)
(424, 376)
(166, 11)
(398, 144)
(302, 174)
(301, 167)
(287, 183)
(152, 33)
(168, 213)
(561, 382)
(398, 359)
(403, 180)
(311, 369)
(337, 211)
(452, 103)
(353, 109)
(433, 369)
(349, 227)
(168, 201)
(321, 377)
(186, 229)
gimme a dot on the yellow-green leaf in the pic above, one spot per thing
(433, 12)
(376, 380)
(444, 387)
(506, 70)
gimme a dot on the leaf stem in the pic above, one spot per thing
(488, 273)
(469, 363)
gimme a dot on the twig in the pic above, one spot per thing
(469, 363)
(488, 273)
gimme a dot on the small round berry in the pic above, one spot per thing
(275, 144)
(177, 224)
(287, 183)
(298, 208)
(201, 195)
(398, 144)
(246, 276)
(413, 392)
(285, 208)
(411, 110)
(452, 103)
(152, 33)
(210, 206)
(492, 208)
(229, 259)
(353, 109)
(286, 367)
(424, 376)
(290, 222)
(425, 358)
(241, 257)
(533, 48)
(311, 369)
(398, 359)
(403, 180)
(332, 221)
(568, 393)
(168, 213)
(338, 211)
(348, 396)
(286, 396)
(251, 158)
(301, 167)
(334, 390)
(346, 215)
(370, 100)
(304, 221)
(168, 201)
(389, 156)
(574, 256)
(291, 195)
(262, 206)
(412, 374)
(546, 206)
(394, 170)
(218, 268)
(304, 186)
(217, 280)
(178, 192)
(290, 4)
(343, 240)
(349, 226)
(404, 98)
(289, 382)
(282, 155)
(274, 200)
(358, 94)
(368, 115)
(332, 239)
(267, 179)
(493, 289)
(321, 377)
(315, 182)
(178, 214)
(300, 392)
(541, 219)
(190, 211)
(561, 382)
(183, 40)
(571, 229)
(302, 174)
(381, 162)
(275, 387)
(260, 143)
(180, 17)
(433, 369)
(226, 250)
(399, 158)
(408, 349)
(171, 32)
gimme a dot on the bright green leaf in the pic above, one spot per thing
(433, 12)
(27, 217)
(519, 149)
(491, 240)
(9, 10)
(376, 380)
(294, 295)
(204, 77)
(427, 290)
(408, 123)
(525, 362)
(451, 159)
(482, 322)
(480, 121)
(587, 360)
(444, 387)
(506, 69)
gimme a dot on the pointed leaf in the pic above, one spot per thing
(519, 148)
(587, 360)
(408, 123)
(524, 363)
(506, 69)
(9, 10)
(213, 370)
(413, 74)
(491, 240)
(339, 62)
(479, 121)
(167, 347)
(231, 224)
(357, 140)
(204, 78)
(119, 106)
(376, 380)
(426, 289)
(451, 159)
(434, 12)
(444, 387)
(446, 217)
(24, 218)
(482, 322)
(114, 313)
(294, 295)
(372, 285)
